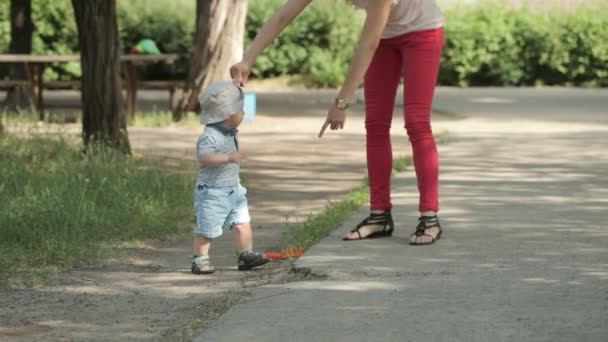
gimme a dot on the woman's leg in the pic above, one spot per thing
(381, 82)
(421, 53)
(421, 57)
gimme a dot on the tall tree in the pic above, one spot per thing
(21, 42)
(103, 117)
(219, 39)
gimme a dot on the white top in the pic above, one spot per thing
(409, 16)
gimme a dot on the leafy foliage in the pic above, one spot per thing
(490, 44)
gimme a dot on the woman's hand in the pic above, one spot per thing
(335, 119)
(377, 16)
(269, 31)
(240, 73)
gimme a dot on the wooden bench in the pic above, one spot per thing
(61, 85)
(172, 86)
(34, 68)
(13, 89)
(10, 84)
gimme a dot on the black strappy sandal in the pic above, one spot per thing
(427, 222)
(383, 219)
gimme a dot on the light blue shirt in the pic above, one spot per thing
(218, 139)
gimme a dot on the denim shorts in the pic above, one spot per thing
(219, 208)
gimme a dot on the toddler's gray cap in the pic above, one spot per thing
(220, 101)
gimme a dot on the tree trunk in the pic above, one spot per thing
(21, 42)
(219, 39)
(103, 117)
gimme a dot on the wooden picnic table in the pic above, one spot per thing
(34, 68)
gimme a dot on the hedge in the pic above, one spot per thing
(498, 45)
(490, 44)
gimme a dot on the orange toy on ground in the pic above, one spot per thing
(294, 252)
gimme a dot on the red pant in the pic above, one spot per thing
(415, 55)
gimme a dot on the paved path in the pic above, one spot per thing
(568, 105)
(524, 255)
(547, 104)
(155, 296)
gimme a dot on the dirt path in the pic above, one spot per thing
(290, 175)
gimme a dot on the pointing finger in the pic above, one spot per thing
(323, 129)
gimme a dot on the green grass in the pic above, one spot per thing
(153, 118)
(18, 118)
(164, 119)
(319, 226)
(61, 208)
(400, 164)
(30, 116)
(448, 114)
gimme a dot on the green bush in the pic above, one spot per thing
(318, 44)
(498, 45)
(576, 52)
(5, 25)
(481, 48)
(490, 44)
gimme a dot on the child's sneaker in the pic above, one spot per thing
(201, 265)
(249, 260)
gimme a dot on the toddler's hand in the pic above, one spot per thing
(235, 157)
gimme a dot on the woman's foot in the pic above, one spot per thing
(427, 232)
(377, 224)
